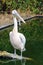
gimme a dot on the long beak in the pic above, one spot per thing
(18, 16)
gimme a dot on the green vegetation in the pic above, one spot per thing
(35, 6)
(33, 32)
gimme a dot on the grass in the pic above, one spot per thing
(33, 31)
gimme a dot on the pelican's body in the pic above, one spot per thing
(17, 39)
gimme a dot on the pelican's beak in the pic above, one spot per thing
(21, 18)
(14, 12)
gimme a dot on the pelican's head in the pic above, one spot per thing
(15, 13)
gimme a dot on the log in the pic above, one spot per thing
(11, 55)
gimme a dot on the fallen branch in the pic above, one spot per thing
(10, 55)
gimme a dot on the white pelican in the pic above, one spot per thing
(17, 39)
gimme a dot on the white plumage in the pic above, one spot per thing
(17, 39)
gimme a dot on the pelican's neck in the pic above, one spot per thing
(15, 24)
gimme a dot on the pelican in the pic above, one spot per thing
(17, 39)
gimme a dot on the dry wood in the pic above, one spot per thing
(7, 54)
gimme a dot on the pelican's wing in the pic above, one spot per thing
(22, 38)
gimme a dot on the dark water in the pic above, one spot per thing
(33, 32)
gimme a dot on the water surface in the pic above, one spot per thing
(33, 31)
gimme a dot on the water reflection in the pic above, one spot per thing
(13, 61)
(23, 62)
(19, 62)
